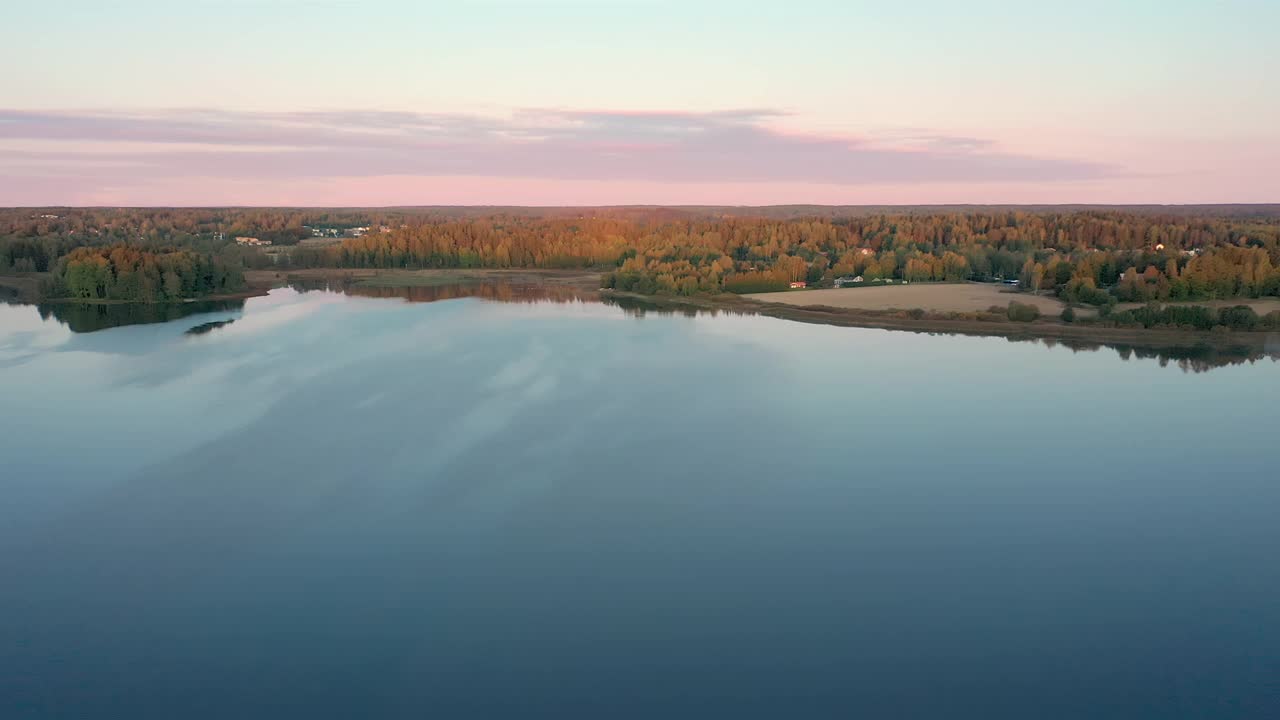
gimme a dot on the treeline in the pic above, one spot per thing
(1244, 268)
(1192, 317)
(1091, 256)
(124, 272)
(170, 226)
(489, 242)
(33, 239)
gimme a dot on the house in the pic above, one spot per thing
(242, 240)
(1159, 246)
(799, 285)
(865, 251)
(847, 280)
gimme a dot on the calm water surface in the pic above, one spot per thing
(341, 506)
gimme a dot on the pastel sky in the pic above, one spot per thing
(291, 102)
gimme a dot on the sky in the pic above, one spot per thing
(292, 102)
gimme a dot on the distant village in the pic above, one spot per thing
(333, 232)
(318, 234)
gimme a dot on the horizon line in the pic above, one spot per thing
(650, 206)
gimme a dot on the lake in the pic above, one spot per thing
(493, 502)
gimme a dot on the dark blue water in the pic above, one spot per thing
(352, 507)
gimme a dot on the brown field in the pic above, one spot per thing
(940, 298)
(320, 241)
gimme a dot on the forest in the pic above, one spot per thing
(1090, 257)
(124, 272)
(1095, 256)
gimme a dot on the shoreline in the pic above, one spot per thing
(248, 293)
(897, 320)
(260, 282)
(373, 277)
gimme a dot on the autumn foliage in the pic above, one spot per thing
(1090, 257)
(1095, 256)
(123, 272)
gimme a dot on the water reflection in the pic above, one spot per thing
(637, 307)
(86, 317)
(204, 328)
(339, 505)
(1195, 358)
(496, 292)
(91, 317)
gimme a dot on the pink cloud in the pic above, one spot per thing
(482, 190)
(652, 152)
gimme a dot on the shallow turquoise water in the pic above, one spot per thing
(338, 506)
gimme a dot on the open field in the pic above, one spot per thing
(320, 241)
(934, 297)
